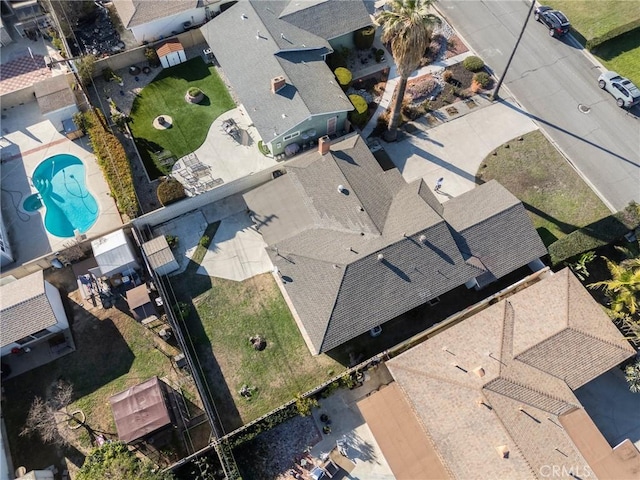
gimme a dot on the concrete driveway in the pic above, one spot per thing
(612, 407)
(455, 149)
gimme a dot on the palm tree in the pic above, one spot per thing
(624, 287)
(407, 26)
(632, 374)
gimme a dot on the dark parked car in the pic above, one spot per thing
(556, 21)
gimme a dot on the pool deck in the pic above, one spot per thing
(27, 139)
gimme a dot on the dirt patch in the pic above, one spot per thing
(455, 46)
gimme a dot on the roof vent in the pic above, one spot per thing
(277, 83)
(446, 349)
(380, 257)
(479, 371)
(503, 451)
(360, 208)
(244, 16)
(341, 189)
(423, 239)
(481, 402)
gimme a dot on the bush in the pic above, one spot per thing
(379, 55)
(204, 241)
(169, 191)
(603, 232)
(107, 74)
(304, 405)
(363, 38)
(447, 76)
(182, 309)
(360, 115)
(113, 162)
(85, 69)
(263, 148)
(592, 43)
(344, 77)
(482, 78)
(194, 92)
(152, 56)
(336, 59)
(473, 64)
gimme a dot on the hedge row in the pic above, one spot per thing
(114, 163)
(613, 33)
(597, 234)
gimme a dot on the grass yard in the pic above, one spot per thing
(225, 316)
(191, 122)
(622, 55)
(113, 353)
(555, 196)
(595, 18)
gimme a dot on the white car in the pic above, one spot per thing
(623, 90)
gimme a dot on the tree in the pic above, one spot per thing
(624, 287)
(407, 26)
(632, 374)
(115, 460)
(45, 416)
(85, 69)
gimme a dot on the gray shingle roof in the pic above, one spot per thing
(325, 18)
(138, 12)
(526, 390)
(313, 230)
(254, 45)
(25, 308)
(486, 217)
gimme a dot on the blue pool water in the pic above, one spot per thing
(60, 180)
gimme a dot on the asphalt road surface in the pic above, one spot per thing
(556, 83)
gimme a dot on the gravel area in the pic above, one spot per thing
(272, 454)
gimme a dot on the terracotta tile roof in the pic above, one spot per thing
(531, 352)
(172, 45)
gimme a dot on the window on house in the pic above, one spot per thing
(290, 136)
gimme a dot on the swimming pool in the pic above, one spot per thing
(60, 181)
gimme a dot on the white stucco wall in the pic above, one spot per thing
(152, 31)
(53, 294)
(173, 58)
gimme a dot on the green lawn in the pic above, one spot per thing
(191, 122)
(622, 55)
(595, 18)
(226, 315)
(557, 199)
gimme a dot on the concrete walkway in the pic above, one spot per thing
(454, 150)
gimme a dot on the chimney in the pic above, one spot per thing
(323, 145)
(277, 83)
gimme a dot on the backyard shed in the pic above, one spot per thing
(160, 256)
(140, 303)
(141, 410)
(55, 99)
(171, 53)
(114, 254)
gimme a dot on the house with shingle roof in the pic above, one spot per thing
(151, 20)
(493, 396)
(34, 328)
(356, 246)
(273, 55)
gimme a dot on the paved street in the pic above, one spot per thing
(551, 79)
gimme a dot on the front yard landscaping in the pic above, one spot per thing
(224, 317)
(555, 196)
(165, 95)
(113, 353)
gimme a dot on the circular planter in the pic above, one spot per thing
(194, 98)
(162, 122)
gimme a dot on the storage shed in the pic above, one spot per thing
(160, 256)
(171, 53)
(114, 254)
(140, 303)
(141, 410)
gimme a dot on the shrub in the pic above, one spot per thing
(592, 43)
(172, 241)
(359, 116)
(204, 241)
(305, 404)
(379, 55)
(113, 162)
(182, 309)
(263, 148)
(194, 92)
(482, 78)
(85, 69)
(152, 56)
(169, 191)
(447, 75)
(604, 231)
(363, 38)
(344, 77)
(473, 64)
(107, 74)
